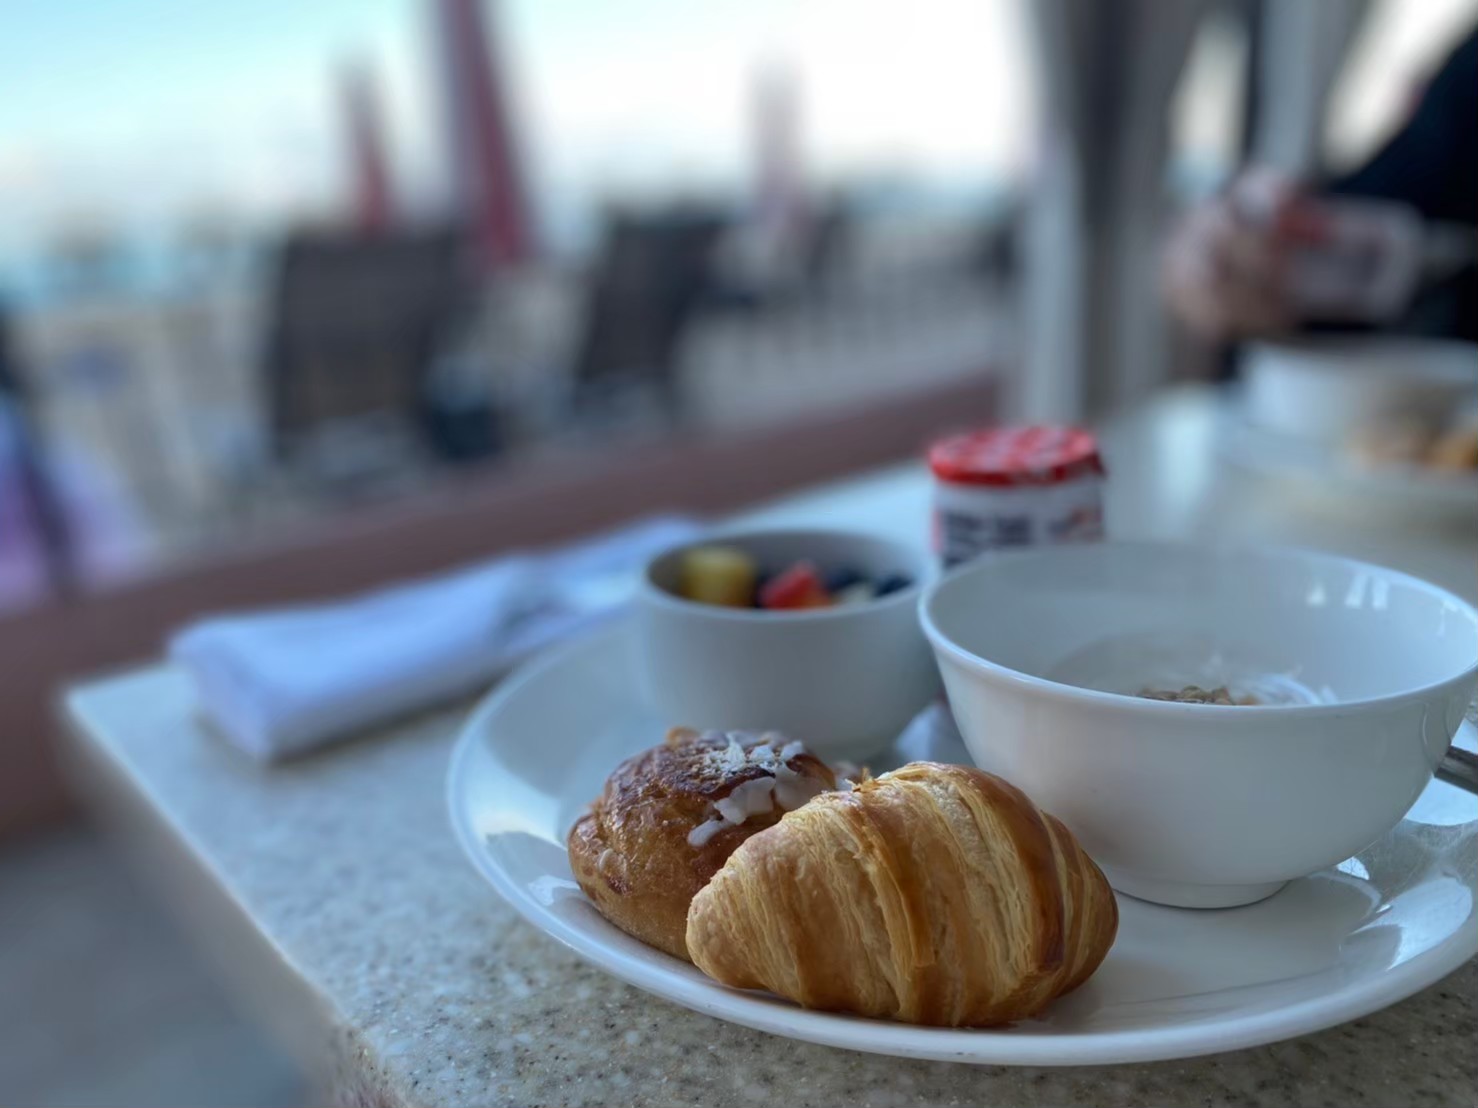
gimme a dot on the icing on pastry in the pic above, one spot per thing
(781, 786)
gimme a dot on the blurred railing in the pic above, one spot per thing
(159, 428)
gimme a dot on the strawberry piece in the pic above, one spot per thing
(799, 586)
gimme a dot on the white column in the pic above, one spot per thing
(1095, 330)
(1301, 47)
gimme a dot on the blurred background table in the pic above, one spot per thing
(339, 903)
(1169, 480)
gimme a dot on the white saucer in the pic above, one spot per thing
(1177, 982)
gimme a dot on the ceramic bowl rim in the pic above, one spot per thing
(924, 575)
(1109, 701)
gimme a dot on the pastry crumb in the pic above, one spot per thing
(1194, 694)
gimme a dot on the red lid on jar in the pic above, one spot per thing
(1007, 456)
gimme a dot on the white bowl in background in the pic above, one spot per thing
(1326, 389)
(844, 680)
(1367, 672)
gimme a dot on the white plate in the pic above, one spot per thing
(1322, 469)
(1326, 949)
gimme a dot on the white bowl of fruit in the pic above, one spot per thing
(813, 633)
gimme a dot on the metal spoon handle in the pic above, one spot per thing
(1460, 768)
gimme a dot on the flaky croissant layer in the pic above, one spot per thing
(935, 894)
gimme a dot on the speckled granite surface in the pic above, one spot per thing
(432, 991)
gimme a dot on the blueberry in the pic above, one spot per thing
(838, 580)
(893, 582)
(761, 579)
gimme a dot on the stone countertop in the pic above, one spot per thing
(336, 896)
(431, 990)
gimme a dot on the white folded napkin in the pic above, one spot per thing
(276, 683)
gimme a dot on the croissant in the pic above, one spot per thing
(935, 894)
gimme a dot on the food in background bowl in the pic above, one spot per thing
(731, 577)
(1448, 445)
(1456, 448)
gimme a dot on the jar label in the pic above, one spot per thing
(961, 536)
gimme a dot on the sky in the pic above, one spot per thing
(151, 111)
(150, 114)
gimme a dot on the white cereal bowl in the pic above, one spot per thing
(844, 680)
(1365, 674)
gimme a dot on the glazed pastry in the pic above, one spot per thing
(934, 894)
(671, 816)
(1402, 440)
(1455, 449)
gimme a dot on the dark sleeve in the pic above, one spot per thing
(1432, 162)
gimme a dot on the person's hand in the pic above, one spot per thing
(1223, 267)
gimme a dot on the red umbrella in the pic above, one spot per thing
(780, 202)
(489, 181)
(370, 176)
